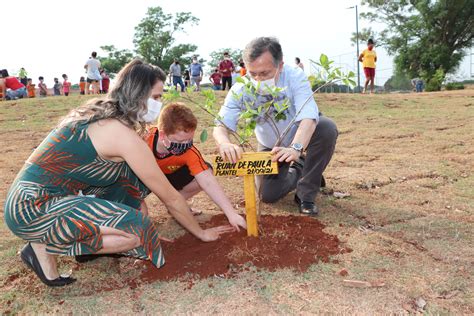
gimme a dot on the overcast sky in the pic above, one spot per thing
(53, 37)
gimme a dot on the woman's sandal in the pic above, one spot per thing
(92, 257)
(28, 256)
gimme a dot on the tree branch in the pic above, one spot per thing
(292, 122)
(241, 140)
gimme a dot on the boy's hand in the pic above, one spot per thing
(236, 220)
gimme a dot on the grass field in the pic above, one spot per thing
(407, 161)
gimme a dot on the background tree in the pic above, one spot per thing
(115, 60)
(428, 38)
(364, 36)
(182, 53)
(218, 55)
(155, 37)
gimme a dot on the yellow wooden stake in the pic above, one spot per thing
(250, 205)
(251, 164)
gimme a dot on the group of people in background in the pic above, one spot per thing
(222, 77)
(21, 86)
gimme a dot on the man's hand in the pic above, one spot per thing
(284, 154)
(230, 152)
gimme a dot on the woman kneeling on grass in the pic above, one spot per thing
(182, 163)
(82, 189)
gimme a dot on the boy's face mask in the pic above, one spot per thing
(178, 149)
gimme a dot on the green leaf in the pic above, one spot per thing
(240, 80)
(246, 115)
(280, 116)
(323, 59)
(277, 106)
(251, 126)
(236, 96)
(203, 136)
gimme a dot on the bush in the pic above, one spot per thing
(454, 86)
(434, 83)
(468, 81)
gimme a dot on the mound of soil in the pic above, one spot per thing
(284, 242)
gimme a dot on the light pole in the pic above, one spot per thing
(357, 43)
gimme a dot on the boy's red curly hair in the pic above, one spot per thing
(176, 117)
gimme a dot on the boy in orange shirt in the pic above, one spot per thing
(182, 163)
(30, 87)
(82, 85)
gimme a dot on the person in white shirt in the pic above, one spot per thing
(92, 67)
(313, 135)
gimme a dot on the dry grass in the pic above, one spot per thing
(406, 159)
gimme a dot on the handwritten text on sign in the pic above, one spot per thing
(251, 164)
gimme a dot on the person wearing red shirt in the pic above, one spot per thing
(105, 81)
(66, 85)
(11, 86)
(215, 78)
(226, 67)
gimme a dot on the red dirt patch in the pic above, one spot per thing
(284, 242)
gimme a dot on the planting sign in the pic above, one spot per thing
(251, 164)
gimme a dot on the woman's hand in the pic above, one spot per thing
(236, 220)
(165, 239)
(213, 233)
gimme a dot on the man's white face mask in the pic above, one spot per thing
(154, 108)
(264, 84)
